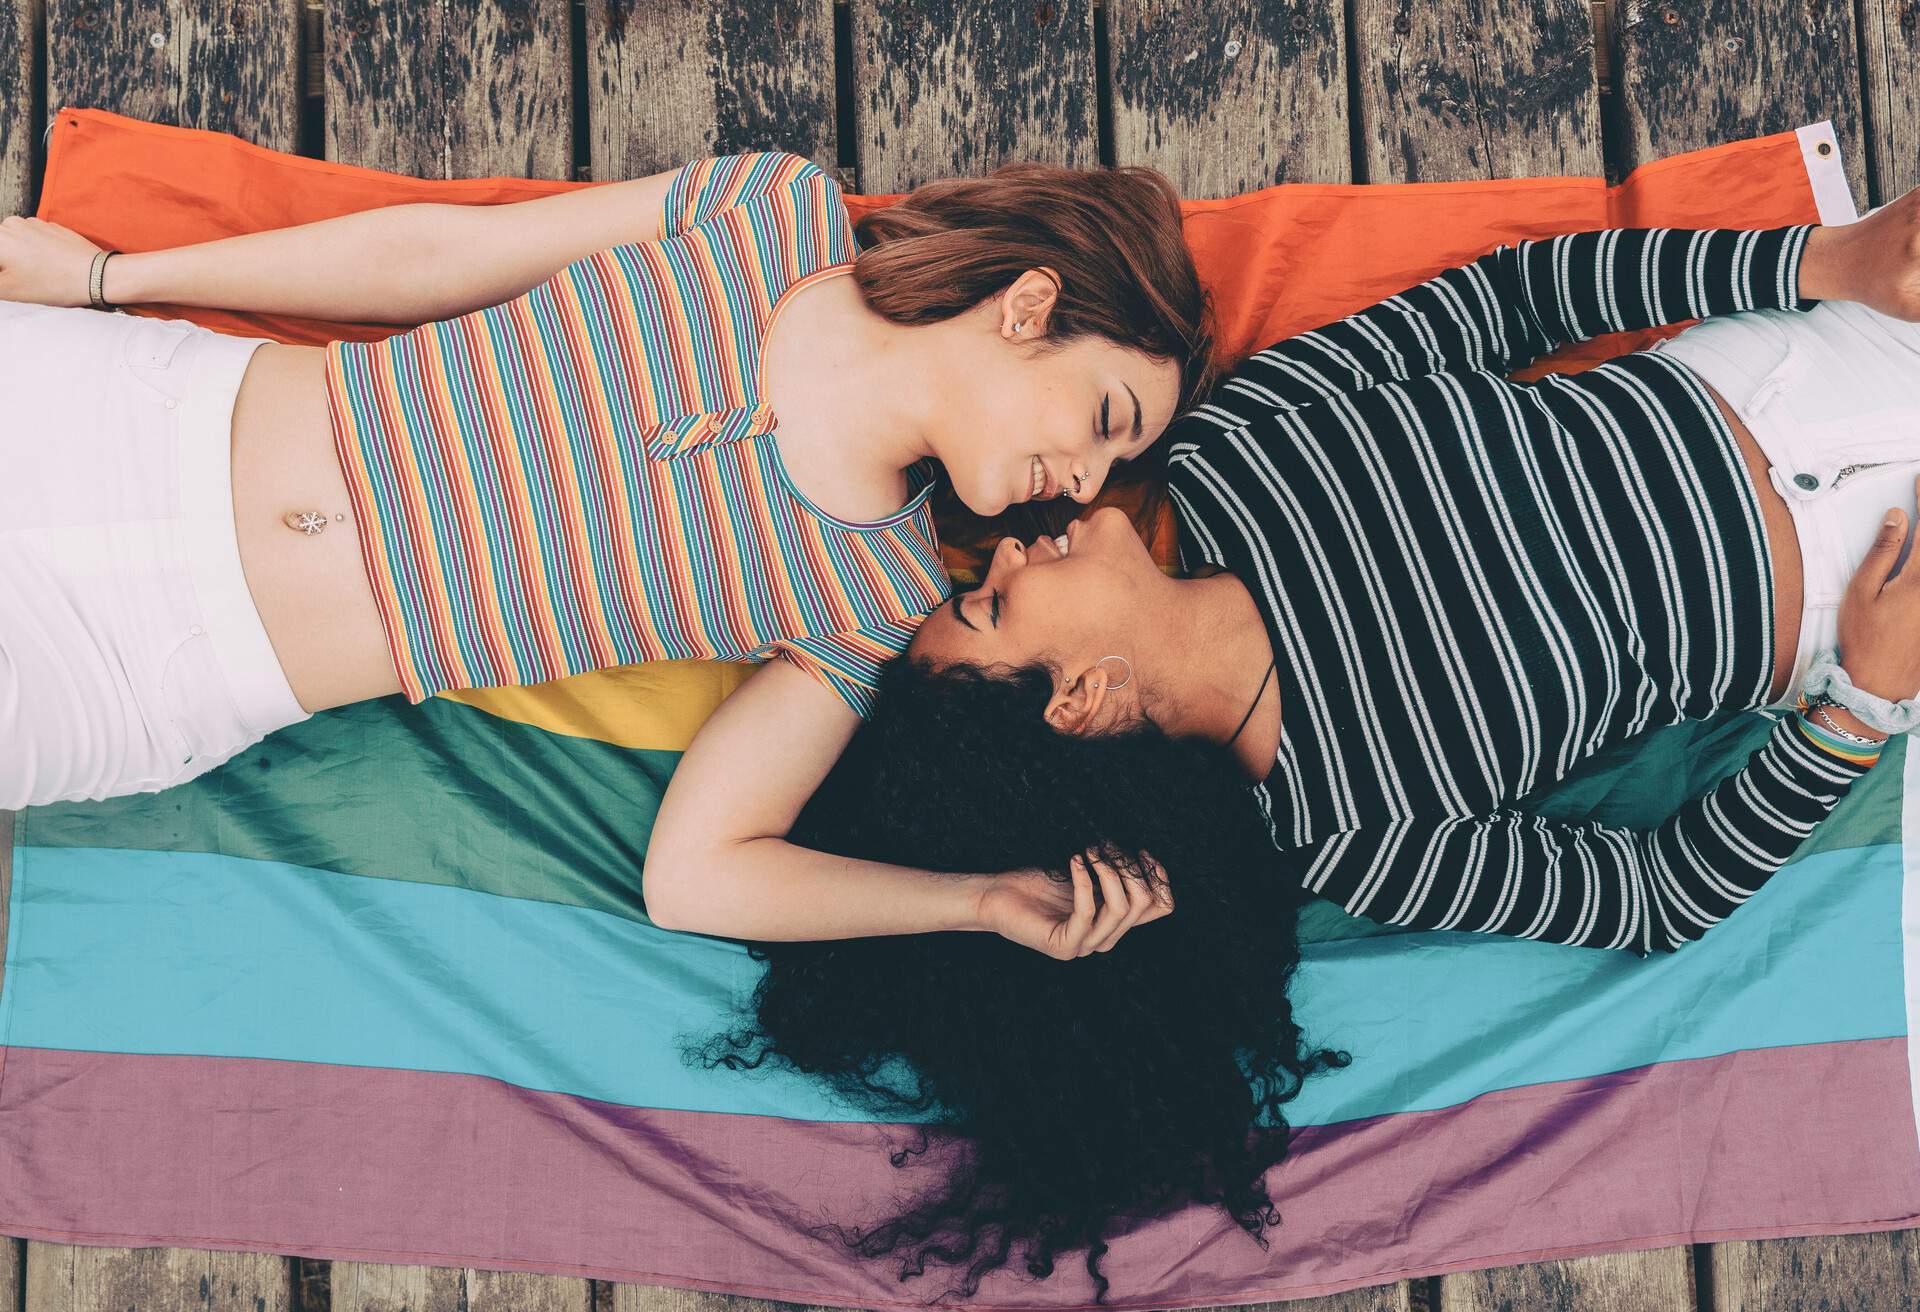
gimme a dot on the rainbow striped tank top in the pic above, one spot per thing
(586, 476)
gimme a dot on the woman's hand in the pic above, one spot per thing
(43, 263)
(1875, 261)
(1880, 617)
(1037, 911)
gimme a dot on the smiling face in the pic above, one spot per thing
(1073, 610)
(1025, 419)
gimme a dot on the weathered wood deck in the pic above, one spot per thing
(1222, 95)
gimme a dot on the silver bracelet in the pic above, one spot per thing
(1827, 680)
(97, 281)
(1818, 710)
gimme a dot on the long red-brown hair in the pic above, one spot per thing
(1113, 237)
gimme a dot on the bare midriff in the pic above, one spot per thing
(319, 610)
(311, 590)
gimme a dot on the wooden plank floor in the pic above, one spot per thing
(1222, 95)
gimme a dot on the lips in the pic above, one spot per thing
(1040, 481)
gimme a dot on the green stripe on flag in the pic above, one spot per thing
(438, 793)
(447, 794)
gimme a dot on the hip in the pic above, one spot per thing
(131, 654)
(1827, 405)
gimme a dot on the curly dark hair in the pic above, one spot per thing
(1061, 1098)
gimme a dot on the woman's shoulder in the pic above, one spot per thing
(767, 180)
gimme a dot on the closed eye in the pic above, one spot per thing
(960, 612)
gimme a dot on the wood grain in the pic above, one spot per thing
(312, 1284)
(1857, 1273)
(944, 88)
(656, 1298)
(1224, 96)
(515, 1291)
(229, 65)
(13, 1262)
(1890, 82)
(1657, 1281)
(1696, 73)
(367, 1287)
(371, 1287)
(1381, 1298)
(61, 1278)
(1455, 89)
(481, 88)
(19, 124)
(674, 80)
(659, 1298)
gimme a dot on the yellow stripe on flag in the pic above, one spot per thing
(658, 706)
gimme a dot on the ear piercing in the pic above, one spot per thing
(1112, 687)
(1077, 481)
(1019, 327)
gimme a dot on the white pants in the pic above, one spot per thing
(132, 657)
(1832, 396)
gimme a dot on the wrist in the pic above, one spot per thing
(122, 280)
(1842, 718)
(973, 908)
(1823, 273)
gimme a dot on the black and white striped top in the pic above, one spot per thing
(1473, 584)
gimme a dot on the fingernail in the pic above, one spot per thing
(1893, 517)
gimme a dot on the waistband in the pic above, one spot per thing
(215, 364)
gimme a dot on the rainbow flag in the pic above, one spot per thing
(384, 988)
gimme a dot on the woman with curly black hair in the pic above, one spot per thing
(1420, 592)
(1417, 592)
(1064, 1094)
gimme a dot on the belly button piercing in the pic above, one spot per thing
(310, 522)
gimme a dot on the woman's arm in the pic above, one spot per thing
(400, 264)
(1599, 886)
(1592, 885)
(719, 862)
(1517, 303)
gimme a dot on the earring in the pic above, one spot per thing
(1114, 687)
(1019, 327)
(1077, 481)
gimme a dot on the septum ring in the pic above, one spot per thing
(1124, 661)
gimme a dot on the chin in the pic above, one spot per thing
(983, 506)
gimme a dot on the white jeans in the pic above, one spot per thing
(1832, 396)
(131, 654)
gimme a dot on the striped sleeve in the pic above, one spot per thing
(850, 663)
(707, 187)
(1592, 885)
(1518, 303)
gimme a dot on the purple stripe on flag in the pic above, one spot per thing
(402, 1166)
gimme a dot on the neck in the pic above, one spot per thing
(1207, 658)
(862, 359)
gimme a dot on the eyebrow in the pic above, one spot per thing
(960, 614)
(1138, 426)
